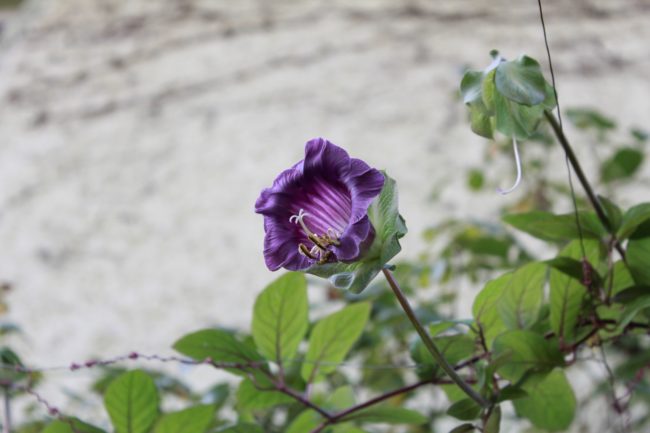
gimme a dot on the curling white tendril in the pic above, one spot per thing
(518, 162)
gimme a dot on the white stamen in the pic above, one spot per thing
(298, 219)
(333, 233)
(518, 162)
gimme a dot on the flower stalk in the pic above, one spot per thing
(429, 344)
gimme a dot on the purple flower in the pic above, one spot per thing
(316, 212)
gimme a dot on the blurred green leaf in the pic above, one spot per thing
(493, 423)
(633, 218)
(522, 296)
(131, 401)
(550, 404)
(521, 80)
(71, 425)
(195, 419)
(485, 310)
(530, 352)
(475, 179)
(219, 346)
(249, 397)
(280, 317)
(464, 410)
(463, 428)
(242, 428)
(585, 118)
(623, 164)
(332, 338)
(387, 415)
(550, 227)
(638, 254)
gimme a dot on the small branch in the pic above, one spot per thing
(6, 425)
(602, 216)
(429, 344)
(302, 400)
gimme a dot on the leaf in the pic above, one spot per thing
(463, 428)
(250, 397)
(614, 213)
(387, 415)
(332, 338)
(633, 218)
(219, 346)
(485, 310)
(511, 392)
(131, 401)
(521, 81)
(522, 297)
(638, 254)
(455, 348)
(567, 293)
(632, 309)
(305, 422)
(195, 419)
(551, 402)
(516, 120)
(242, 428)
(493, 423)
(470, 86)
(280, 317)
(623, 164)
(67, 427)
(585, 118)
(530, 352)
(550, 227)
(389, 228)
(464, 410)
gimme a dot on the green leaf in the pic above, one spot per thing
(332, 338)
(485, 309)
(195, 419)
(463, 428)
(280, 317)
(219, 346)
(242, 428)
(464, 410)
(638, 254)
(493, 423)
(475, 179)
(522, 297)
(470, 86)
(67, 427)
(614, 213)
(633, 218)
(131, 401)
(623, 164)
(550, 227)
(530, 352)
(585, 118)
(632, 309)
(249, 397)
(516, 120)
(455, 348)
(567, 292)
(511, 392)
(305, 422)
(389, 228)
(521, 81)
(480, 121)
(551, 402)
(387, 415)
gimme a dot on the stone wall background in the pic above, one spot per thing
(135, 137)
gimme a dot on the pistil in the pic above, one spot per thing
(320, 251)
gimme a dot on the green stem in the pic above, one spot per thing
(602, 216)
(429, 344)
(6, 425)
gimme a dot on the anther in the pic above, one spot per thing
(302, 249)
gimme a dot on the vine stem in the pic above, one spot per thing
(6, 425)
(429, 344)
(568, 150)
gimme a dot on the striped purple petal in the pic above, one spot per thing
(317, 211)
